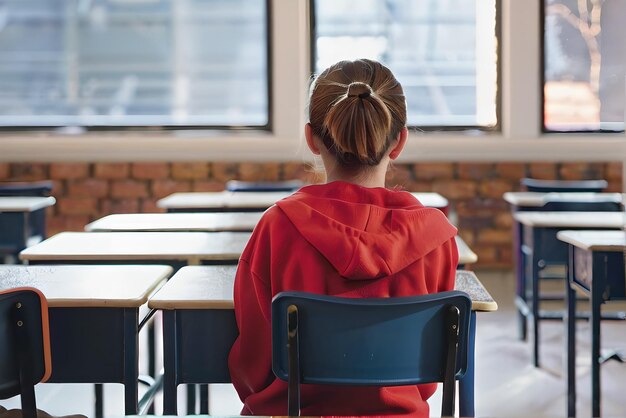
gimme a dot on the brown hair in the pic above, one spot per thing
(358, 109)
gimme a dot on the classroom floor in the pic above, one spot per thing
(507, 385)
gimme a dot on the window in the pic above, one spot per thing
(584, 65)
(115, 63)
(444, 52)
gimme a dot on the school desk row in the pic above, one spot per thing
(591, 245)
(97, 311)
(22, 218)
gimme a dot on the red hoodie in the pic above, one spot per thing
(345, 240)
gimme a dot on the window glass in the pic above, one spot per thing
(584, 65)
(133, 63)
(444, 52)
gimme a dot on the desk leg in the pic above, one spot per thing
(99, 400)
(170, 366)
(466, 383)
(131, 360)
(204, 399)
(570, 332)
(535, 306)
(596, 301)
(521, 278)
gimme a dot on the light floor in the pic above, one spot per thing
(507, 385)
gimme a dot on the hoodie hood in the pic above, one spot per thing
(366, 233)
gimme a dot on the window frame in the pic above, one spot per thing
(431, 128)
(519, 139)
(152, 128)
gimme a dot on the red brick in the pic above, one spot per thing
(467, 235)
(259, 172)
(150, 171)
(291, 171)
(5, 171)
(418, 186)
(615, 186)
(57, 224)
(149, 206)
(542, 170)
(123, 206)
(581, 171)
(29, 172)
(88, 188)
(474, 223)
(495, 188)
(474, 171)
(221, 171)
(162, 188)
(504, 220)
(613, 171)
(505, 256)
(111, 170)
(190, 171)
(495, 236)
(77, 206)
(398, 175)
(487, 255)
(63, 171)
(433, 171)
(455, 189)
(58, 188)
(133, 189)
(207, 186)
(514, 171)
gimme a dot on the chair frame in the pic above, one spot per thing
(288, 308)
(27, 320)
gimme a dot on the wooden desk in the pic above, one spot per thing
(174, 248)
(596, 267)
(541, 249)
(94, 319)
(197, 305)
(252, 201)
(22, 219)
(538, 200)
(533, 201)
(180, 222)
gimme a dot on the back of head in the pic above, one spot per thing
(358, 109)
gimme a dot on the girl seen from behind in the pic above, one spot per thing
(349, 237)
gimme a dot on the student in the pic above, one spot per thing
(350, 237)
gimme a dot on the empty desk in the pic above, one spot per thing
(94, 319)
(541, 248)
(173, 248)
(536, 200)
(16, 226)
(199, 328)
(597, 268)
(253, 201)
(167, 222)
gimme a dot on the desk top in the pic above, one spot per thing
(193, 247)
(595, 240)
(466, 255)
(211, 287)
(243, 200)
(207, 222)
(615, 220)
(536, 199)
(88, 286)
(25, 203)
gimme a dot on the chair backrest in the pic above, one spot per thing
(35, 188)
(24, 345)
(321, 339)
(563, 186)
(263, 186)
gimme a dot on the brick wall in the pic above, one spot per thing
(87, 191)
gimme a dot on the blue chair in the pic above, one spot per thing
(319, 339)
(24, 346)
(563, 186)
(263, 186)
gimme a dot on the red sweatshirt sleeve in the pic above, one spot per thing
(252, 299)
